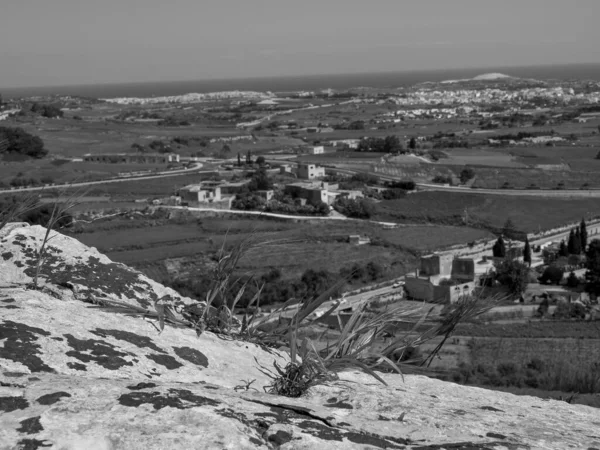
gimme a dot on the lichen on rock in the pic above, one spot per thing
(76, 375)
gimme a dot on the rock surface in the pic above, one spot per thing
(77, 376)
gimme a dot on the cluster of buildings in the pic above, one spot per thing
(489, 96)
(308, 189)
(214, 194)
(445, 279)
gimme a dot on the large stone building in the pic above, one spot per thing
(445, 279)
(312, 193)
(310, 171)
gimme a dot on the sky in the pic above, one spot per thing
(66, 42)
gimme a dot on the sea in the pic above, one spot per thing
(307, 83)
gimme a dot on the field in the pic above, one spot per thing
(290, 247)
(529, 214)
(475, 157)
(535, 329)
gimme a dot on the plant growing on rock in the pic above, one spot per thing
(356, 349)
(59, 213)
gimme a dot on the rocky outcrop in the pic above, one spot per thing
(75, 375)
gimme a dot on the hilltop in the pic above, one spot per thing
(75, 374)
(482, 77)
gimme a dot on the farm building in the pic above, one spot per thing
(207, 193)
(310, 171)
(313, 193)
(445, 279)
(139, 158)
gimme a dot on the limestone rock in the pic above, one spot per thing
(72, 264)
(78, 376)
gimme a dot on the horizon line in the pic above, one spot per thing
(269, 77)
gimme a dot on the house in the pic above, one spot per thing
(445, 279)
(333, 193)
(356, 239)
(200, 193)
(310, 171)
(266, 194)
(207, 194)
(232, 188)
(285, 169)
(312, 193)
(318, 150)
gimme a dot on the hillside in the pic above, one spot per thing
(76, 373)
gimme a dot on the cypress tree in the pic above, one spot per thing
(577, 242)
(239, 160)
(499, 248)
(583, 235)
(527, 252)
(563, 251)
(571, 243)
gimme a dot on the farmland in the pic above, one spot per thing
(291, 247)
(529, 214)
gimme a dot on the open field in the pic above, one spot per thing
(534, 329)
(477, 157)
(529, 214)
(493, 178)
(291, 247)
(65, 171)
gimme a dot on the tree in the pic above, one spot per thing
(260, 181)
(412, 144)
(499, 248)
(571, 243)
(572, 280)
(583, 235)
(249, 157)
(392, 144)
(260, 160)
(592, 275)
(527, 252)
(49, 111)
(239, 160)
(466, 174)
(563, 250)
(514, 275)
(552, 274)
(577, 242)
(17, 140)
(509, 229)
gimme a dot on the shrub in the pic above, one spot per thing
(536, 364)
(572, 280)
(506, 369)
(360, 208)
(466, 174)
(442, 179)
(552, 274)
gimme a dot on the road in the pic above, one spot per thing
(287, 216)
(589, 193)
(560, 193)
(171, 173)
